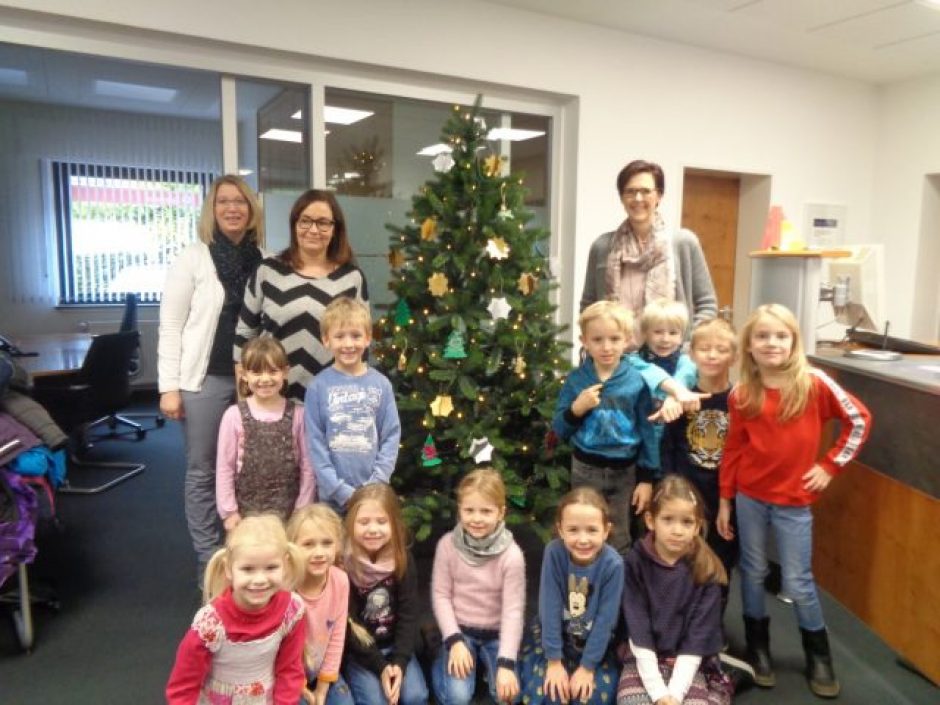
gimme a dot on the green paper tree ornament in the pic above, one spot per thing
(402, 313)
(454, 348)
(429, 453)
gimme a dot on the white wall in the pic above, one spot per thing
(635, 97)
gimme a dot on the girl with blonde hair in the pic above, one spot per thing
(246, 644)
(772, 472)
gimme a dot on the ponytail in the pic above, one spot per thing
(214, 581)
(706, 566)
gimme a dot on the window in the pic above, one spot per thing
(120, 227)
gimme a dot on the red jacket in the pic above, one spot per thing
(766, 459)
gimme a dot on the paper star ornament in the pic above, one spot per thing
(429, 229)
(443, 162)
(497, 248)
(442, 405)
(396, 258)
(481, 450)
(438, 284)
(491, 165)
(504, 213)
(527, 283)
(499, 308)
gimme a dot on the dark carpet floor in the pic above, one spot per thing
(122, 568)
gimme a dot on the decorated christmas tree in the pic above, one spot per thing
(471, 344)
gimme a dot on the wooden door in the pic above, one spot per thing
(710, 210)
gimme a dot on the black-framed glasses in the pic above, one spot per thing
(323, 224)
(643, 193)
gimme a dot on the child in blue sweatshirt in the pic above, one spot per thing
(603, 411)
(351, 420)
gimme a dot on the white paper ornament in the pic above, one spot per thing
(443, 162)
(481, 450)
(497, 248)
(499, 308)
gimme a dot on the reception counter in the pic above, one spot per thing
(877, 537)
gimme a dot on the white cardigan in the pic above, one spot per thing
(189, 315)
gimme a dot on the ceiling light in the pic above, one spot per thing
(245, 172)
(135, 91)
(433, 150)
(512, 134)
(282, 135)
(339, 116)
(14, 77)
(932, 4)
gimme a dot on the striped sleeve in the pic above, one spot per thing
(836, 403)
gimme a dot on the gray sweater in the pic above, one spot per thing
(693, 282)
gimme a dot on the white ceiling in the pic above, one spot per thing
(878, 41)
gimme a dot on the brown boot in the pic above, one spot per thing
(819, 673)
(757, 636)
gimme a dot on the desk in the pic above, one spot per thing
(58, 352)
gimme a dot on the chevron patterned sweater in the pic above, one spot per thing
(288, 306)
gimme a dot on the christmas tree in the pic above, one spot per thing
(471, 346)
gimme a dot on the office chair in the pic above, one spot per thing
(129, 323)
(80, 400)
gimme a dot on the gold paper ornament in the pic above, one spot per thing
(402, 362)
(438, 284)
(396, 259)
(527, 283)
(429, 229)
(518, 365)
(442, 405)
(491, 165)
(497, 248)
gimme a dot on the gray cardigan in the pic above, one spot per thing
(693, 282)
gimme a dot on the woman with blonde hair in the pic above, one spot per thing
(198, 314)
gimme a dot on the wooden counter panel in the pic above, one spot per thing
(877, 550)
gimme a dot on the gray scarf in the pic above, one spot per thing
(475, 551)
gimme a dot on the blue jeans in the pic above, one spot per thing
(450, 690)
(793, 532)
(367, 688)
(338, 694)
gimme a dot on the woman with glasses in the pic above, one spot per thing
(198, 313)
(288, 293)
(643, 260)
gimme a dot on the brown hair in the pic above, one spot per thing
(639, 166)
(486, 482)
(323, 516)
(254, 231)
(715, 328)
(259, 355)
(260, 530)
(583, 495)
(344, 310)
(386, 498)
(338, 251)
(795, 392)
(706, 567)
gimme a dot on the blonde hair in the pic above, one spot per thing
(386, 498)
(715, 328)
(260, 530)
(583, 495)
(486, 482)
(664, 311)
(798, 383)
(325, 519)
(345, 311)
(706, 566)
(254, 231)
(261, 355)
(611, 311)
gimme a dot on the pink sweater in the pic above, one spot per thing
(489, 596)
(326, 627)
(228, 460)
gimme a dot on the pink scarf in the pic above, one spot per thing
(365, 573)
(651, 270)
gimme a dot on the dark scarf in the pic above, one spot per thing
(234, 263)
(668, 363)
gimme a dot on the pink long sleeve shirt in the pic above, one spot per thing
(326, 627)
(228, 461)
(489, 596)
